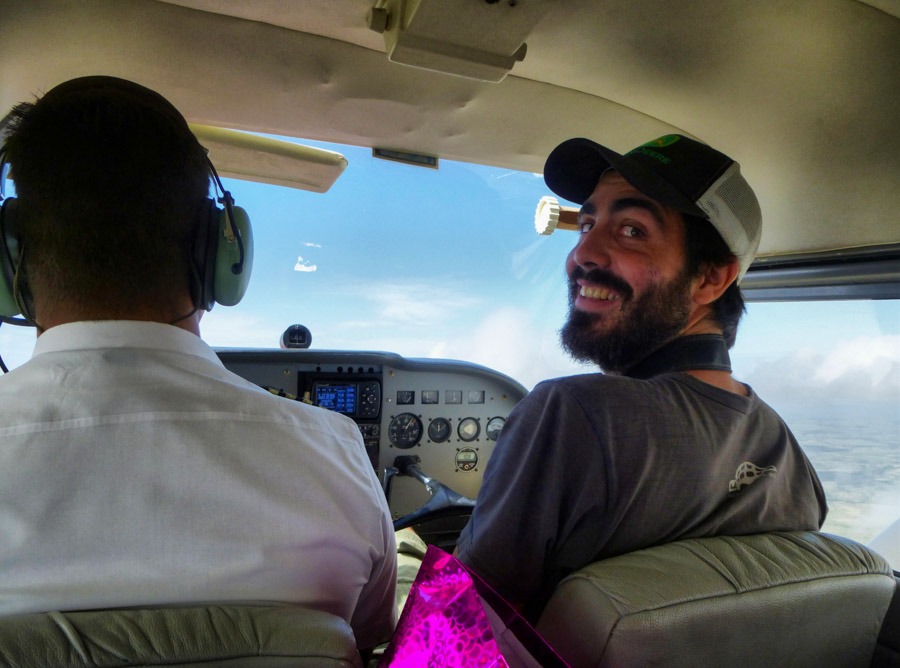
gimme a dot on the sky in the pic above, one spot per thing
(446, 263)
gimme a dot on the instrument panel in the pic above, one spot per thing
(448, 413)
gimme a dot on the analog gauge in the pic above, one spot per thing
(406, 397)
(494, 425)
(405, 430)
(476, 396)
(439, 430)
(468, 429)
(453, 397)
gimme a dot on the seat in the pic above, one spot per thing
(777, 599)
(202, 636)
(887, 653)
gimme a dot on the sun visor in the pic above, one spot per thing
(247, 156)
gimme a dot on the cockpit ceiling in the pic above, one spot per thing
(804, 93)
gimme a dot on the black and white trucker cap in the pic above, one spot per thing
(674, 170)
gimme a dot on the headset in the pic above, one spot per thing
(9, 245)
(222, 249)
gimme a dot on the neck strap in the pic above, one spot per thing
(686, 353)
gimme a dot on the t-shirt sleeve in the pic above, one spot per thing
(527, 506)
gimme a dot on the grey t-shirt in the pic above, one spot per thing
(591, 466)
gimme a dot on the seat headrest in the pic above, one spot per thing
(213, 635)
(792, 598)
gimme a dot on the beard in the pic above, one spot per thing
(645, 323)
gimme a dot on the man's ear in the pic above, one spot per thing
(713, 280)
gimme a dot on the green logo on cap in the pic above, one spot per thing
(667, 140)
(646, 149)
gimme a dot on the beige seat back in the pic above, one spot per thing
(780, 599)
(202, 636)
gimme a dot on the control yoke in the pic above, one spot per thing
(442, 497)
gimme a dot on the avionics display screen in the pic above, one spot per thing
(338, 397)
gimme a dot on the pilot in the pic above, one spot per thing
(666, 443)
(134, 468)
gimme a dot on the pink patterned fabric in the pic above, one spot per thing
(443, 624)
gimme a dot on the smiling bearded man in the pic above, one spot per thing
(591, 466)
(653, 319)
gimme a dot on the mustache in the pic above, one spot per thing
(600, 277)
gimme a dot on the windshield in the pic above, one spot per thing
(446, 263)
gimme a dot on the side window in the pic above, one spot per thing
(832, 370)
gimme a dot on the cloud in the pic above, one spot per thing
(224, 327)
(508, 341)
(422, 303)
(875, 356)
(866, 368)
(432, 320)
(505, 340)
(304, 265)
(405, 316)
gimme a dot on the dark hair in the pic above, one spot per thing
(704, 246)
(109, 184)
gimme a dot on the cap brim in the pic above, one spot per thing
(573, 168)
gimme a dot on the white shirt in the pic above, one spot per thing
(135, 469)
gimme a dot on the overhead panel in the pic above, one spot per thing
(478, 39)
